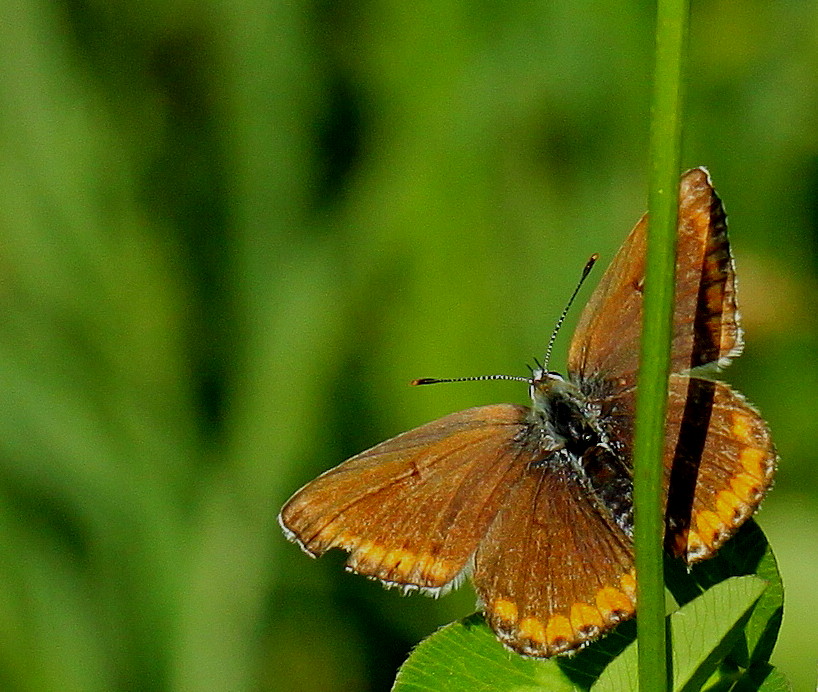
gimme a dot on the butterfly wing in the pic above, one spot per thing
(411, 510)
(705, 318)
(719, 461)
(553, 571)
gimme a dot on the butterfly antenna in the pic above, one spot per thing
(587, 270)
(542, 368)
(477, 378)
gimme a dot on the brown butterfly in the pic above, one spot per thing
(536, 502)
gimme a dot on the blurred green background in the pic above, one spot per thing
(231, 232)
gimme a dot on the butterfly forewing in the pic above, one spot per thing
(705, 318)
(554, 571)
(412, 510)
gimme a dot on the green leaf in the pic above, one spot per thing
(762, 678)
(746, 553)
(701, 633)
(466, 656)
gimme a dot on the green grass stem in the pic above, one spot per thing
(665, 161)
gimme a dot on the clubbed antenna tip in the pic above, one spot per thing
(478, 378)
(586, 270)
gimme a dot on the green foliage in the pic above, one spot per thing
(720, 635)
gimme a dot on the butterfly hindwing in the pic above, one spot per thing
(719, 461)
(719, 452)
(554, 571)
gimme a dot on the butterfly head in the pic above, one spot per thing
(561, 416)
(547, 385)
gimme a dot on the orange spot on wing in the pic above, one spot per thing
(559, 630)
(585, 617)
(708, 522)
(742, 427)
(399, 559)
(398, 565)
(751, 459)
(423, 565)
(532, 628)
(613, 603)
(695, 544)
(745, 487)
(728, 507)
(628, 583)
(440, 571)
(366, 557)
(505, 610)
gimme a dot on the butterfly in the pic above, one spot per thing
(536, 502)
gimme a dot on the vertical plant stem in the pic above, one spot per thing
(665, 160)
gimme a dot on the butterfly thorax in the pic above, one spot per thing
(565, 433)
(562, 416)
